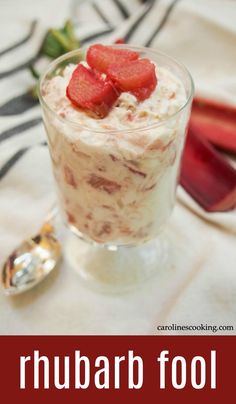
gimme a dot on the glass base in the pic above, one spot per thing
(116, 269)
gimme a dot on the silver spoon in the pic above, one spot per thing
(32, 261)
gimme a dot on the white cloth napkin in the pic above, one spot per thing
(200, 286)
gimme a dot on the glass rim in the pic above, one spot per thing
(75, 52)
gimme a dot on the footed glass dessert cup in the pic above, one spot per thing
(117, 176)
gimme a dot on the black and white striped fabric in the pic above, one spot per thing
(201, 34)
(103, 20)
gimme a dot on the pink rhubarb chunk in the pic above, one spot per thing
(100, 57)
(136, 76)
(90, 92)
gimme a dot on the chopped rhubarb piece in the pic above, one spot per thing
(100, 57)
(90, 92)
(216, 122)
(119, 41)
(136, 76)
(134, 171)
(70, 218)
(69, 177)
(105, 228)
(206, 176)
(103, 184)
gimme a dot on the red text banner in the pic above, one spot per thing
(117, 369)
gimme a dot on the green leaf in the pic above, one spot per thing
(59, 41)
(56, 42)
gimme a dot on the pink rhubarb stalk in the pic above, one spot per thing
(207, 176)
(216, 122)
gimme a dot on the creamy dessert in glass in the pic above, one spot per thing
(116, 159)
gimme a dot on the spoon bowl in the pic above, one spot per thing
(31, 262)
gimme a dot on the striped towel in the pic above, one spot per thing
(202, 35)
